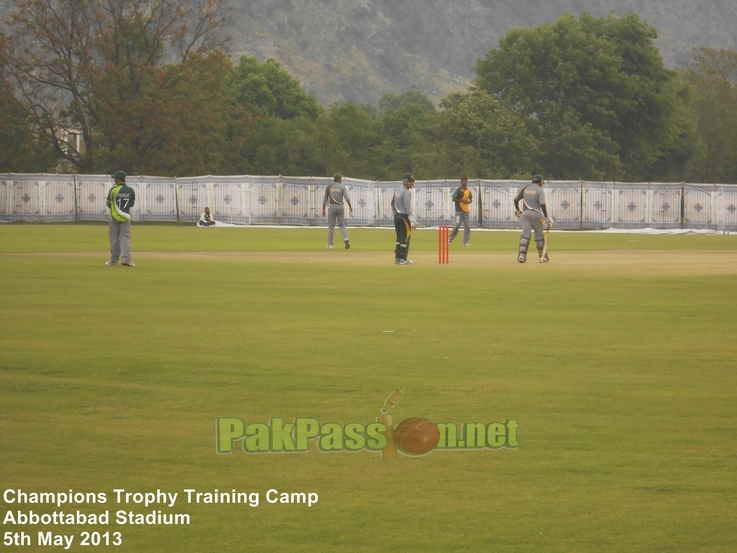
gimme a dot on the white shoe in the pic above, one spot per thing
(405, 262)
(111, 264)
(330, 247)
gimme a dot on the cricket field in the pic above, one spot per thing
(224, 393)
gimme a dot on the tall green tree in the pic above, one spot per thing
(407, 132)
(293, 147)
(268, 90)
(712, 75)
(482, 138)
(353, 141)
(596, 92)
(289, 131)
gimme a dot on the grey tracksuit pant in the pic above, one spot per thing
(336, 215)
(531, 220)
(120, 241)
(462, 218)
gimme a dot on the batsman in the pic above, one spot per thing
(529, 206)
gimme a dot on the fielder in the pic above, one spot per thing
(120, 199)
(334, 195)
(529, 205)
(404, 219)
(463, 198)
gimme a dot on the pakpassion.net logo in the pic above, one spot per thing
(414, 436)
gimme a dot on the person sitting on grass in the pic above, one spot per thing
(206, 218)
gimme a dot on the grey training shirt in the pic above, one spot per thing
(403, 202)
(334, 195)
(533, 198)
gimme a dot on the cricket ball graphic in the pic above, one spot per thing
(416, 436)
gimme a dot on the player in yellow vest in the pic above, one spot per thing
(463, 198)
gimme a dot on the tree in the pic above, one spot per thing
(111, 69)
(207, 123)
(268, 90)
(22, 148)
(594, 89)
(289, 147)
(393, 102)
(354, 140)
(712, 75)
(288, 133)
(406, 135)
(482, 138)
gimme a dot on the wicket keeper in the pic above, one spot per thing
(404, 219)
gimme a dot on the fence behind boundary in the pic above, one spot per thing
(278, 200)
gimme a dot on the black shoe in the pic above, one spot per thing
(347, 244)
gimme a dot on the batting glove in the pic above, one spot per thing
(518, 214)
(549, 222)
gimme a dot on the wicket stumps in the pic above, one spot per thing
(443, 249)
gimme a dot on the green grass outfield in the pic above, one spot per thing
(618, 359)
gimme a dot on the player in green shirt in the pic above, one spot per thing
(120, 199)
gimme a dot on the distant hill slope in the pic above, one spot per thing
(359, 49)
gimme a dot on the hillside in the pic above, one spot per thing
(359, 49)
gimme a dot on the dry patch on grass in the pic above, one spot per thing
(635, 263)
